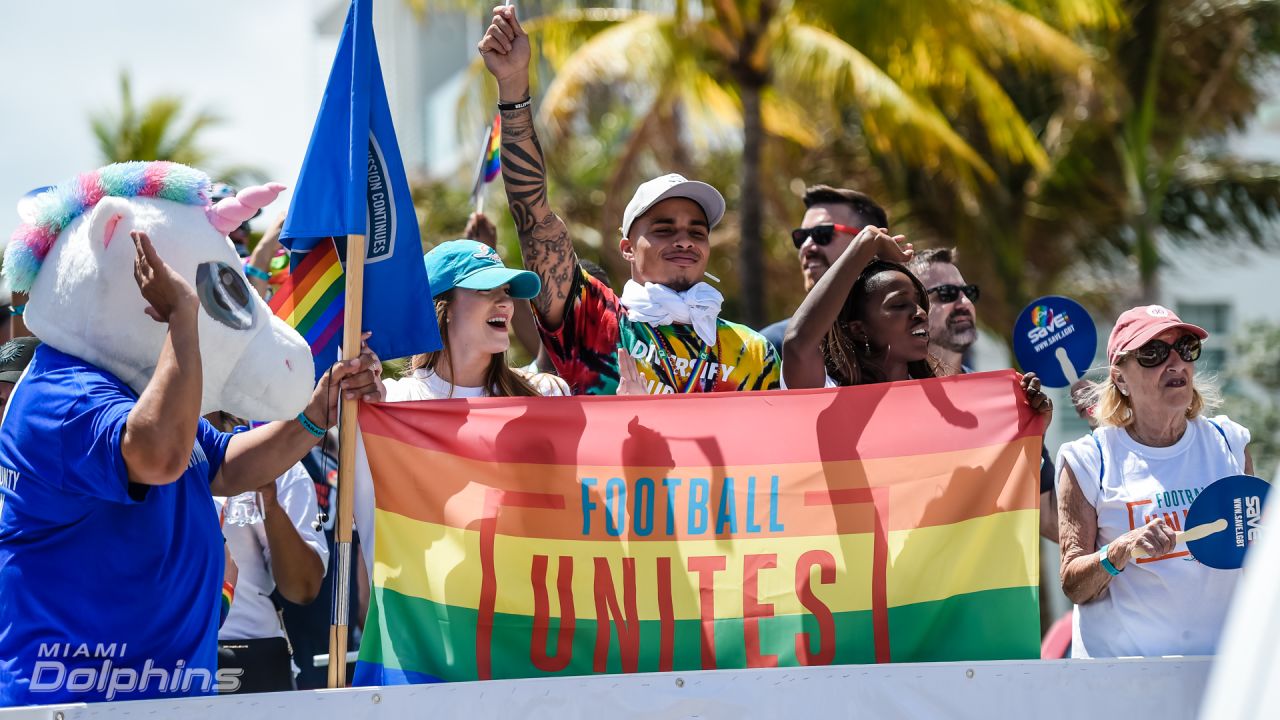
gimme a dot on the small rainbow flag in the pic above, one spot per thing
(311, 298)
(532, 537)
(491, 162)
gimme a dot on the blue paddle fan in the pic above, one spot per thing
(1224, 520)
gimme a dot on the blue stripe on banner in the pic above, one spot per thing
(372, 674)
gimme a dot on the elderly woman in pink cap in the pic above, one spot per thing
(1129, 484)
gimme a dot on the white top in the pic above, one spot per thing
(252, 615)
(423, 384)
(827, 381)
(1170, 605)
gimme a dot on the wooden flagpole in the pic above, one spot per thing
(353, 324)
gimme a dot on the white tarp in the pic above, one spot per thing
(1166, 688)
(1246, 679)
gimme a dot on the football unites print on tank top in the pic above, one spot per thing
(670, 358)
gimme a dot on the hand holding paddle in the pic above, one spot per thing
(1196, 533)
(1222, 522)
(1155, 539)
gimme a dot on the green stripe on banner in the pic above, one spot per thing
(440, 640)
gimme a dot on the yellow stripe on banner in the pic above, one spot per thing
(931, 563)
(300, 309)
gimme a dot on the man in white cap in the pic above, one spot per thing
(667, 319)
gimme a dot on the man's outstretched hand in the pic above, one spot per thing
(505, 49)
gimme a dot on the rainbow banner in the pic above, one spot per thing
(563, 536)
(311, 299)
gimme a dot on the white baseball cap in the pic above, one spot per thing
(673, 186)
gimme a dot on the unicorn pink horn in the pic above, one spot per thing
(230, 212)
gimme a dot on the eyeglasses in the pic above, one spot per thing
(821, 234)
(951, 293)
(1155, 352)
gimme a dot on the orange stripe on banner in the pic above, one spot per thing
(886, 420)
(808, 499)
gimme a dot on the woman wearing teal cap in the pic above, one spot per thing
(474, 295)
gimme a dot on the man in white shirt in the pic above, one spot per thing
(277, 544)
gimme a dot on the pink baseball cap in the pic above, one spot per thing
(1134, 328)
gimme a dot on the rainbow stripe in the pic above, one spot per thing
(552, 536)
(55, 209)
(491, 162)
(311, 298)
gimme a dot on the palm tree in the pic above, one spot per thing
(158, 131)
(1134, 160)
(150, 132)
(774, 75)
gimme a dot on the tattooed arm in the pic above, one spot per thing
(544, 238)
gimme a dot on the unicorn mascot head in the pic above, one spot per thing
(74, 257)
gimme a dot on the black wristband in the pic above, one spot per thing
(519, 105)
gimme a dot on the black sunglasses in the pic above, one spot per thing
(1155, 352)
(951, 293)
(821, 234)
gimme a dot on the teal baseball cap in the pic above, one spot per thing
(475, 266)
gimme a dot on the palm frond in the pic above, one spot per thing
(1220, 198)
(604, 60)
(1005, 34)
(1072, 15)
(812, 62)
(1005, 129)
(558, 36)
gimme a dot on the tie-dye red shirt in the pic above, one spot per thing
(584, 349)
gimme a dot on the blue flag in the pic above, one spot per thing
(353, 182)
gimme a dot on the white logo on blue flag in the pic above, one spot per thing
(381, 234)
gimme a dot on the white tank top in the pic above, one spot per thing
(1170, 605)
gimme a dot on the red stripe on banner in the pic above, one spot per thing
(701, 430)
(494, 501)
(879, 498)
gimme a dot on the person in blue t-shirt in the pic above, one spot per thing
(111, 559)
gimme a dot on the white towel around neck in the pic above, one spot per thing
(655, 304)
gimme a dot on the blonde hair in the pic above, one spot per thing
(499, 380)
(1115, 409)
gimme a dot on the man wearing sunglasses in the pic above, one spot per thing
(952, 321)
(832, 218)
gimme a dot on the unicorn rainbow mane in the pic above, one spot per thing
(55, 209)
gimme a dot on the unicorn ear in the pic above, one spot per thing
(111, 220)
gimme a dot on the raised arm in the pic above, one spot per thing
(544, 238)
(802, 364)
(161, 428)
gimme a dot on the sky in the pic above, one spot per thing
(259, 65)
